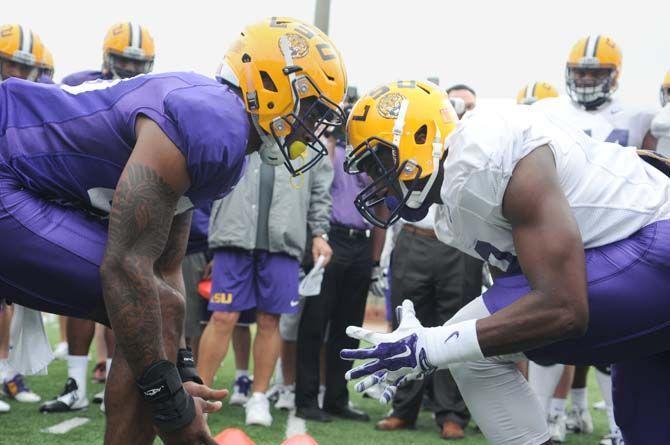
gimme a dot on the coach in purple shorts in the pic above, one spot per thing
(258, 235)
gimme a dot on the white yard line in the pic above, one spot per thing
(295, 425)
(67, 425)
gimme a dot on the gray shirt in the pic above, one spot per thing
(265, 189)
(297, 204)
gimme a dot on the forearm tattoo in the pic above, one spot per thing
(140, 219)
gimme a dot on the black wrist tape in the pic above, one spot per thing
(161, 386)
(186, 366)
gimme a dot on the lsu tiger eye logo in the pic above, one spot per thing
(388, 105)
(297, 44)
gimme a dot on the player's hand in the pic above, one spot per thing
(321, 247)
(197, 432)
(396, 358)
(204, 391)
(379, 281)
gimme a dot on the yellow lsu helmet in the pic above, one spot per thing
(397, 135)
(128, 50)
(20, 46)
(665, 90)
(592, 71)
(47, 64)
(292, 80)
(535, 91)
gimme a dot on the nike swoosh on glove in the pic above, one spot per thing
(395, 358)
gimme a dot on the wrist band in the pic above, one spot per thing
(453, 343)
(186, 366)
(161, 385)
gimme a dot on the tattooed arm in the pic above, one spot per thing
(142, 212)
(169, 274)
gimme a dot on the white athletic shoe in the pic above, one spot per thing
(17, 389)
(321, 396)
(258, 410)
(241, 391)
(68, 400)
(4, 407)
(600, 406)
(286, 399)
(61, 350)
(612, 439)
(99, 397)
(579, 421)
(557, 427)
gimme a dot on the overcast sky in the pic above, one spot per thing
(496, 46)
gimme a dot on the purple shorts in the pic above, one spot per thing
(243, 279)
(629, 327)
(50, 255)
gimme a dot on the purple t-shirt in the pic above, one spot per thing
(344, 190)
(83, 76)
(72, 143)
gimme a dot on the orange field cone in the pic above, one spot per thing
(205, 288)
(300, 439)
(233, 436)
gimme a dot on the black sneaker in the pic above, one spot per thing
(67, 401)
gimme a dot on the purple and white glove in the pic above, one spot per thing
(410, 352)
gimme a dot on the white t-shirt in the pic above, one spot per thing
(611, 191)
(660, 128)
(611, 122)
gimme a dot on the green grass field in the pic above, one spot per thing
(24, 423)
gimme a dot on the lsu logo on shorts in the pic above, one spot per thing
(222, 297)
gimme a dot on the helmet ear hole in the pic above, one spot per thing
(420, 135)
(268, 83)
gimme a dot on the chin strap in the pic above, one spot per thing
(417, 198)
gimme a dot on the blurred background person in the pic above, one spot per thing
(128, 50)
(257, 250)
(341, 303)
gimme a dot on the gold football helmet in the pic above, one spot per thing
(535, 91)
(292, 79)
(128, 50)
(665, 90)
(592, 71)
(397, 135)
(21, 51)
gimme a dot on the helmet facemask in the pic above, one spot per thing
(128, 64)
(21, 62)
(665, 95)
(303, 128)
(590, 86)
(400, 186)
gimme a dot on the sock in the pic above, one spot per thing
(77, 367)
(614, 428)
(605, 385)
(543, 381)
(108, 364)
(6, 371)
(241, 373)
(557, 407)
(579, 398)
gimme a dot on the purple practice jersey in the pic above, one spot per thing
(71, 144)
(197, 239)
(83, 76)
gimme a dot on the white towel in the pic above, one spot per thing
(311, 284)
(30, 351)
